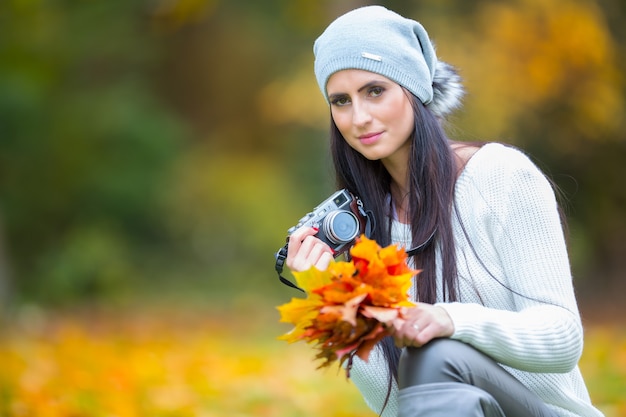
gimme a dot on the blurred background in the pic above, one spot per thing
(161, 146)
(155, 152)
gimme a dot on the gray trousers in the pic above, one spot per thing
(450, 378)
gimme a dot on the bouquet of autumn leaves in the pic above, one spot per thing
(347, 304)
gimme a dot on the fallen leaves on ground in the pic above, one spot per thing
(180, 363)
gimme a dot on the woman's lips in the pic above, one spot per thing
(370, 138)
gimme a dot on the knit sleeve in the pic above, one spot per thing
(538, 327)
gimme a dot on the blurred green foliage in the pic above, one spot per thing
(85, 146)
(164, 146)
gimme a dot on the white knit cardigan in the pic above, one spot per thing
(507, 208)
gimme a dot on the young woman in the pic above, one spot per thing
(497, 330)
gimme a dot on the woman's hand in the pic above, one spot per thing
(418, 325)
(305, 251)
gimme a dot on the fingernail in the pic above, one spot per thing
(317, 229)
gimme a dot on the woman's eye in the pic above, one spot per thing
(376, 91)
(340, 101)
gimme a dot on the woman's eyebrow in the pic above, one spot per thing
(366, 85)
(371, 84)
(335, 96)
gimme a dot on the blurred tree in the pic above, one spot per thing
(84, 143)
(547, 76)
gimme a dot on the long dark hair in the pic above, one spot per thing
(431, 177)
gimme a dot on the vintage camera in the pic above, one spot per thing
(336, 219)
(340, 218)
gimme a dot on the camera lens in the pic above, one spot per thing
(341, 226)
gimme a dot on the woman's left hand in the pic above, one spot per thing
(418, 325)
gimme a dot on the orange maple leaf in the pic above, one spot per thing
(347, 310)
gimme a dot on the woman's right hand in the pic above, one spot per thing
(305, 250)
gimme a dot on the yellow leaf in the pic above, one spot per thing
(299, 310)
(312, 278)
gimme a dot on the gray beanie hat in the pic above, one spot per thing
(375, 39)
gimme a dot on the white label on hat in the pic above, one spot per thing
(371, 56)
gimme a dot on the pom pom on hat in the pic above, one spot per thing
(448, 91)
(375, 39)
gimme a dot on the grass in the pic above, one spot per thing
(190, 362)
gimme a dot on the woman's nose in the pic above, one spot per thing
(360, 114)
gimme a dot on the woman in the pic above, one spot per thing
(497, 330)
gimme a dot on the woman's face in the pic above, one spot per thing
(372, 113)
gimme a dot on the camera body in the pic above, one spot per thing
(340, 220)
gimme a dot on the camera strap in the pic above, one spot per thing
(281, 256)
(421, 246)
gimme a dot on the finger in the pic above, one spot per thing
(405, 312)
(313, 248)
(325, 259)
(411, 326)
(395, 329)
(408, 334)
(415, 338)
(296, 254)
(430, 332)
(317, 248)
(397, 324)
(312, 251)
(304, 231)
(297, 237)
(425, 335)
